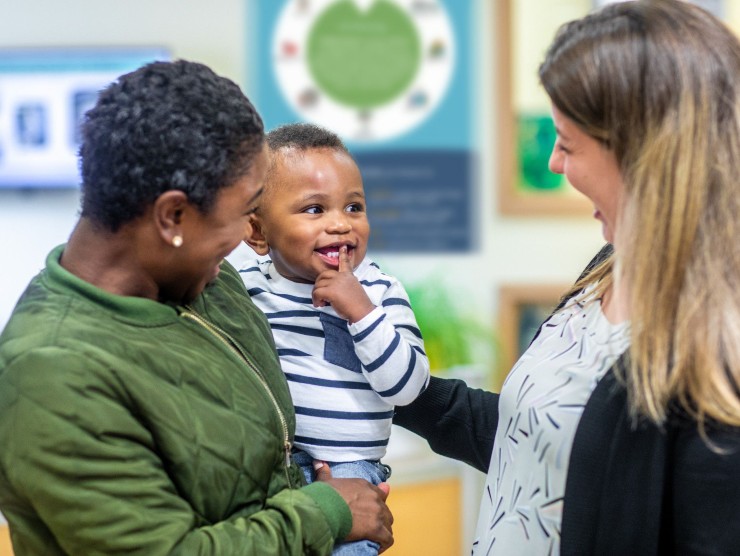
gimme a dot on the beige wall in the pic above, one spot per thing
(211, 32)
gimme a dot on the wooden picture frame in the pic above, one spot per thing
(522, 308)
(524, 29)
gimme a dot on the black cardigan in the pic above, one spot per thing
(630, 489)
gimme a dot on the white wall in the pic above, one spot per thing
(31, 223)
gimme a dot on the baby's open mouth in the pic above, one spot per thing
(330, 254)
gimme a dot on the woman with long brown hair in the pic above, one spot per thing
(618, 431)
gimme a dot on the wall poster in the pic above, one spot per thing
(524, 30)
(392, 78)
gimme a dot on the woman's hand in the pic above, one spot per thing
(371, 518)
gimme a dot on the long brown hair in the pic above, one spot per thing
(658, 82)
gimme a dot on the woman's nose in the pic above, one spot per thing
(556, 160)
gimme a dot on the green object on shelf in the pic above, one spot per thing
(450, 340)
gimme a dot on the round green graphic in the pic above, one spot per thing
(363, 59)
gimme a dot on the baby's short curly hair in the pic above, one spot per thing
(296, 139)
(302, 137)
(168, 125)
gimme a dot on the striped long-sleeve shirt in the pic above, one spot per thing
(345, 379)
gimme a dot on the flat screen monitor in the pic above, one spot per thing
(44, 93)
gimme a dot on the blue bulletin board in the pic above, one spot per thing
(393, 79)
(44, 94)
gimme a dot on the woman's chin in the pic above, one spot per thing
(607, 233)
(606, 230)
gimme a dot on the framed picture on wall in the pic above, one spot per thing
(523, 31)
(44, 94)
(522, 308)
(526, 133)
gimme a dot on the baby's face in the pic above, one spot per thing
(318, 205)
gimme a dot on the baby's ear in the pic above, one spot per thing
(254, 235)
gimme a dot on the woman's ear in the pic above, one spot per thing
(255, 236)
(169, 210)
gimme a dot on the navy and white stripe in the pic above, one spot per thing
(344, 379)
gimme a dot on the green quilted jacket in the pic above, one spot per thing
(131, 426)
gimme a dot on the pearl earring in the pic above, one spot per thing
(177, 241)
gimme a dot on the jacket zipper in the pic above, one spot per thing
(237, 350)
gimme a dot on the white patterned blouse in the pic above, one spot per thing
(539, 409)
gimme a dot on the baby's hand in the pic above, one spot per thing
(340, 289)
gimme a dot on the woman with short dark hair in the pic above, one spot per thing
(142, 405)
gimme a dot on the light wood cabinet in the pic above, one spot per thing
(5, 547)
(434, 500)
(427, 518)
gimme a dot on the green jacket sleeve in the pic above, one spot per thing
(88, 464)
